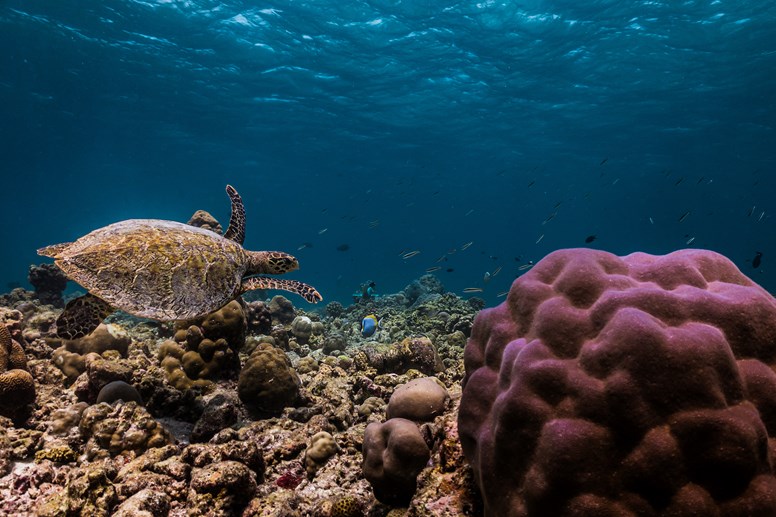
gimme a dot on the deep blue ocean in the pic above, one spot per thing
(360, 131)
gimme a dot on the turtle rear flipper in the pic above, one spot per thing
(81, 316)
(307, 292)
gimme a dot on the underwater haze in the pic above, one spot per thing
(360, 132)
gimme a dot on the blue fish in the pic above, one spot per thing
(369, 325)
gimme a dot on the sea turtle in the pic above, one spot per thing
(165, 270)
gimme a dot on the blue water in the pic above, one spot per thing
(395, 126)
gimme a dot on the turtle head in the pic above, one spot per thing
(270, 263)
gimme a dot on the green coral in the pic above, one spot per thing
(205, 349)
(417, 353)
(60, 454)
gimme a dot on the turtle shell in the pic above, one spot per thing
(156, 269)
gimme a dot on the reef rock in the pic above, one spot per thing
(637, 385)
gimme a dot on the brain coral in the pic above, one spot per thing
(637, 385)
(17, 388)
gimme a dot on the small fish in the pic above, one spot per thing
(449, 270)
(466, 246)
(679, 181)
(550, 218)
(540, 239)
(502, 293)
(590, 238)
(751, 211)
(616, 181)
(762, 214)
(343, 247)
(603, 161)
(473, 290)
(470, 212)
(699, 181)
(410, 254)
(525, 266)
(433, 268)
(757, 260)
(684, 216)
(369, 325)
(531, 184)
(322, 231)
(486, 277)
(651, 221)
(496, 271)
(304, 245)
(690, 240)
(443, 258)
(374, 224)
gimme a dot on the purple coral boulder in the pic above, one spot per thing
(637, 385)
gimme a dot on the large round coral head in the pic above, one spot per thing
(636, 385)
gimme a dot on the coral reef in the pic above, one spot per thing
(49, 282)
(636, 385)
(269, 423)
(203, 219)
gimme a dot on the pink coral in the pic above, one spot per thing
(637, 385)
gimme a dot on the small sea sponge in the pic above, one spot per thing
(322, 447)
(259, 317)
(420, 400)
(346, 506)
(394, 454)
(267, 383)
(118, 390)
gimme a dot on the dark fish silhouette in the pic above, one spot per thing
(343, 247)
(757, 260)
(449, 270)
(590, 238)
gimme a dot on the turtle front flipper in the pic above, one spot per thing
(81, 316)
(307, 292)
(236, 230)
